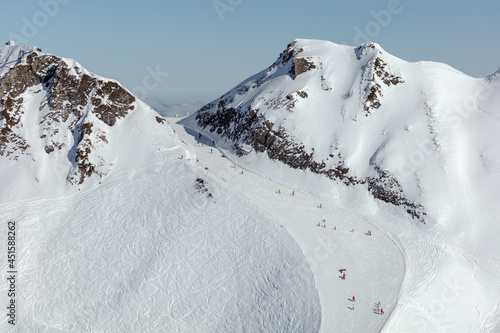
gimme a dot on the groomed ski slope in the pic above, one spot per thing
(374, 264)
(445, 287)
(147, 251)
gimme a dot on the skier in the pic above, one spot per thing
(211, 151)
(279, 192)
(353, 299)
(352, 230)
(320, 205)
(343, 276)
(353, 307)
(199, 135)
(335, 228)
(293, 193)
(369, 233)
(182, 157)
(324, 225)
(381, 311)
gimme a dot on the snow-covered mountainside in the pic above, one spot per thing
(57, 119)
(362, 117)
(417, 139)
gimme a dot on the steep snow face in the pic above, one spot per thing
(57, 119)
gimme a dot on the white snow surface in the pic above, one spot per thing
(143, 250)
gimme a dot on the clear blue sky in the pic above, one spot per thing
(208, 46)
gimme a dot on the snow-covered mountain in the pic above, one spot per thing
(420, 138)
(62, 124)
(364, 118)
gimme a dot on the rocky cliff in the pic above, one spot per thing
(54, 104)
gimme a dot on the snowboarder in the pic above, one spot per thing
(353, 299)
(381, 311)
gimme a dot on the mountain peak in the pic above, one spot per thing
(368, 49)
(51, 108)
(338, 111)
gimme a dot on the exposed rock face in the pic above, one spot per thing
(68, 95)
(244, 117)
(375, 75)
